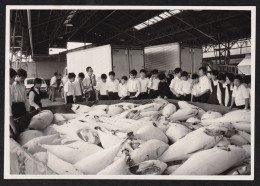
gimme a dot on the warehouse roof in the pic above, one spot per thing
(53, 28)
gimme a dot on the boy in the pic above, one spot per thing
(221, 91)
(12, 74)
(123, 89)
(20, 103)
(204, 85)
(53, 86)
(175, 85)
(102, 87)
(240, 95)
(153, 85)
(186, 85)
(144, 85)
(79, 87)
(215, 94)
(195, 88)
(69, 90)
(35, 95)
(163, 89)
(134, 85)
(112, 86)
(88, 83)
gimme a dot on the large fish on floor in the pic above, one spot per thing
(150, 167)
(41, 120)
(176, 131)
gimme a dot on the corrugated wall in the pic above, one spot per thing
(162, 57)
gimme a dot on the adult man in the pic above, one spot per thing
(204, 85)
(88, 83)
(79, 87)
(176, 84)
(53, 86)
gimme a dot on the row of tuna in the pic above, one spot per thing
(158, 138)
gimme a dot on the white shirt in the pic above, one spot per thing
(176, 85)
(69, 88)
(122, 90)
(112, 86)
(87, 81)
(64, 80)
(195, 89)
(78, 88)
(31, 99)
(186, 86)
(53, 81)
(144, 84)
(154, 83)
(102, 87)
(240, 94)
(18, 94)
(204, 83)
(134, 85)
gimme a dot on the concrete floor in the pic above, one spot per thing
(59, 101)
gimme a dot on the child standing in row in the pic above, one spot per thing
(134, 86)
(176, 84)
(186, 85)
(195, 91)
(144, 81)
(164, 89)
(78, 85)
(69, 90)
(123, 89)
(153, 85)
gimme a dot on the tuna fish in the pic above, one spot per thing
(33, 146)
(184, 104)
(119, 167)
(89, 136)
(160, 101)
(247, 148)
(114, 110)
(223, 142)
(171, 169)
(41, 120)
(149, 150)
(61, 167)
(211, 115)
(108, 140)
(245, 135)
(238, 140)
(73, 152)
(42, 157)
(212, 161)
(183, 114)
(168, 110)
(244, 169)
(28, 135)
(98, 161)
(193, 120)
(243, 126)
(150, 132)
(195, 141)
(80, 109)
(176, 131)
(150, 167)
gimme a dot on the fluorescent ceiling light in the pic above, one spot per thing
(157, 19)
(53, 51)
(73, 45)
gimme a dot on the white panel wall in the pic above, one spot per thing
(162, 57)
(191, 62)
(99, 58)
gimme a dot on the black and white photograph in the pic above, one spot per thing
(130, 92)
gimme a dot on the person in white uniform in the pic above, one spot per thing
(195, 91)
(144, 81)
(102, 87)
(153, 85)
(134, 85)
(123, 89)
(186, 85)
(240, 95)
(88, 83)
(69, 90)
(78, 86)
(53, 87)
(204, 85)
(176, 84)
(112, 86)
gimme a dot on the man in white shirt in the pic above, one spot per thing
(176, 84)
(102, 87)
(144, 81)
(153, 85)
(134, 85)
(35, 95)
(112, 86)
(186, 85)
(69, 90)
(204, 85)
(53, 86)
(79, 87)
(195, 91)
(240, 95)
(123, 89)
(88, 83)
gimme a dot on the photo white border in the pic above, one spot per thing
(7, 174)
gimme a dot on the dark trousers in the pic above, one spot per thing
(113, 96)
(79, 99)
(195, 99)
(143, 95)
(18, 109)
(70, 99)
(204, 98)
(103, 97)
(242, 107)
(153, 94)
(213, 98)
(92, 95)
(125, 98)
(186, 98)
(52, 93)
(175, 97)
(132, 93)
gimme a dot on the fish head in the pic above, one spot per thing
(150, 167)
(88, 135)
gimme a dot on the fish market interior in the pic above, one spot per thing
(163, 92)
